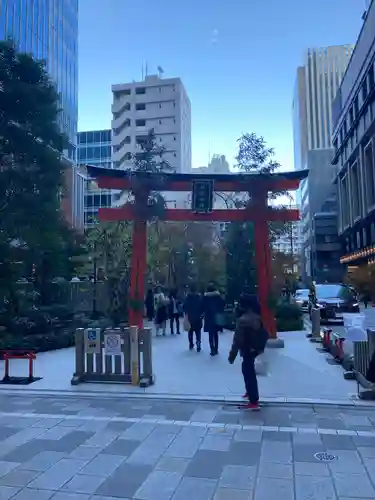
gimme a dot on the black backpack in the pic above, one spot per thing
(259, 340)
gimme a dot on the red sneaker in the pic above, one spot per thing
(251, 407)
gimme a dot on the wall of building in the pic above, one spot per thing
(362, 56)
(95, 148)
(326, 249)
(354, 142)
(290, 242)
(158, 104)
(317, 82)
(72, 200)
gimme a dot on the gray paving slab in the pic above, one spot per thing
(317, 488)
(274, 489)
(197, 488)
(232, 494)
(33, 494)
(217, 453)
(160, 485)
(55, 477)
(353, 485)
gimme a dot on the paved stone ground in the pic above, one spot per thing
(298, 372)
(97, 448)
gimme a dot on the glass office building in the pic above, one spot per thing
(48, 29)
(95, 148)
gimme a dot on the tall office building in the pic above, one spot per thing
(95, 148)
(161, 104)
(48, 30)
(317, 83)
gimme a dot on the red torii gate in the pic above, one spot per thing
(258, 185)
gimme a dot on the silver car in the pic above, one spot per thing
(302, 299)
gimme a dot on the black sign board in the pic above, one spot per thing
(203, 191)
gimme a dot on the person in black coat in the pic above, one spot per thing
(149, 303)
(174, 311)
(194, 311)
(213, 309)
(370, 375)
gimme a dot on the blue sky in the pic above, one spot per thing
(237, 60)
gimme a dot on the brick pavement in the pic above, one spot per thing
(98, 448)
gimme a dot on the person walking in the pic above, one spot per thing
(193, 310)
(366, 299)
(174, 311)
(149, 303)
(213, 310)
(249, 339)
(160, 307)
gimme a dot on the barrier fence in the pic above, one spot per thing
(363, 351)
(120, 355)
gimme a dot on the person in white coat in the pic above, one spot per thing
(161, 313)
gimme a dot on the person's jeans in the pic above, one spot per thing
(175, 318)
(195, 328)
(213, 338)
(250, 377)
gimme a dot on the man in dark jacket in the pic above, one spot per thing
(248, 325)
(193, 311)
(213, 309)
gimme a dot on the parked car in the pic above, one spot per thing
(333, 300)
(301, 298)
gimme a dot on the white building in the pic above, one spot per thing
(161, 104)
(290, 242)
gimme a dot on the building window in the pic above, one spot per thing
(159, 122)
(356, 107)
(364, 90)
(345, 201)
(140, 106)
(371, 77)
(351, 117)
(82, 137)
(141, 139)
(126, 92)
(369, 173)
(140, 123)
(140, 90)
(159, 106)
(355, 191)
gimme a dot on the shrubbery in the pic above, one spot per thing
(40, 329)
(288, 317)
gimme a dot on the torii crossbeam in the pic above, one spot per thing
(258, 185)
